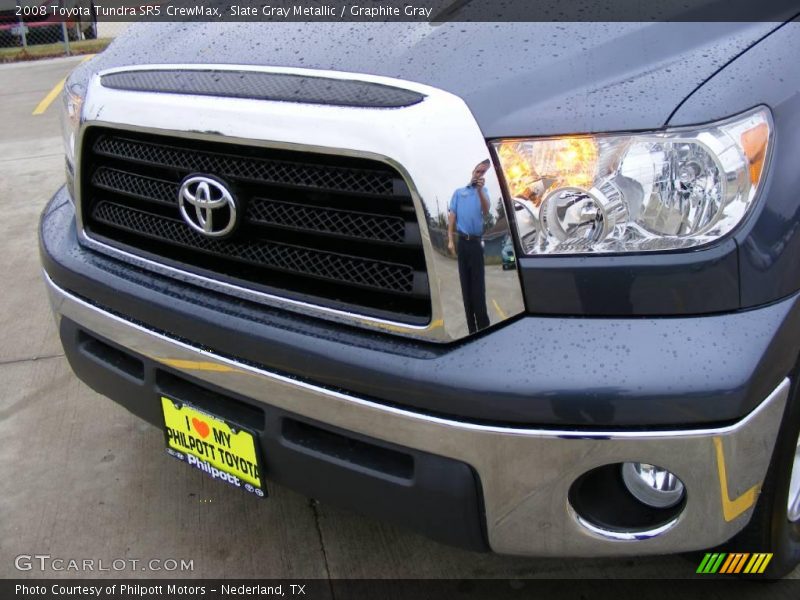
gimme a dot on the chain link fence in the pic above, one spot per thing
(16, 32)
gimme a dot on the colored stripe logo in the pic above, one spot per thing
(734, 562)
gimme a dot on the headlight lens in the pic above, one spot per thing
(71, 106)
(635, 192)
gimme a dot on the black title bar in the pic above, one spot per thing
(430, 11)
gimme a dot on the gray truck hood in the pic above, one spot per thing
(517, 78)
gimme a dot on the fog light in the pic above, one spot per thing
(652, 485)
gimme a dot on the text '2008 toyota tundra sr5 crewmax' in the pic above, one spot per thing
(538, 296)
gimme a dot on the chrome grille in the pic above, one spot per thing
(324, 220)
(252, 169)
(129, 184)
(337, 231)
(369, 273)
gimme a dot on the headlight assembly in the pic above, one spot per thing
(635, 192)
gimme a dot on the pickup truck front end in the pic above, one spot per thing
(268, 245)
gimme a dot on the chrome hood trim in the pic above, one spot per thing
(434, 144)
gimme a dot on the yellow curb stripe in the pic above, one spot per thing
(53, 94)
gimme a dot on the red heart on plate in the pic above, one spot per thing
(201, 427)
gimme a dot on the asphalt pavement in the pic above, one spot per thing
(82, 479)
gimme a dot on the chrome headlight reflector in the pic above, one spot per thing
(635, 192)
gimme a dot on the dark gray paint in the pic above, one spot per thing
(685, 283)
(769, 241)
(589, 372)
(517, 78)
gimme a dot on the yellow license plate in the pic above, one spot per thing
(219, 449)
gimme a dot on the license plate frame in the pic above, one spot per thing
(223, 450)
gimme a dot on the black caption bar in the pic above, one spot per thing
(109, 589)
(387, 589)
(431, 11)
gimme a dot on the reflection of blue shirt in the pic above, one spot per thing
(466, 206)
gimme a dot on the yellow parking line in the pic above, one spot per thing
(499, 310)
(53, 94)
(48, 100)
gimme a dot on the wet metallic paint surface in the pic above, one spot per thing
(554, 78)
(612, 371)
(517, 78)
(769, 240)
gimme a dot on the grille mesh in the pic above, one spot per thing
(266, 171)
(371, 273)
(332, 230)
(358, 225)
(136, 185)
(264, 86)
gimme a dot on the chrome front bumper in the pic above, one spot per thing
(525, 474)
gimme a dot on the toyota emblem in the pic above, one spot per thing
(207, 206)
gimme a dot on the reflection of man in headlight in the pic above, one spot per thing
(468, 208)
